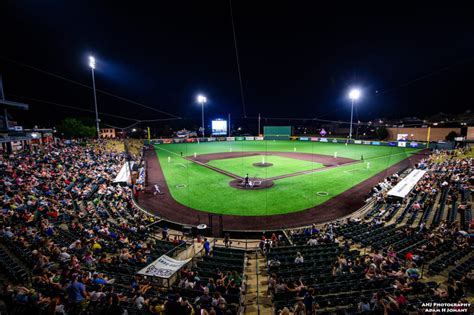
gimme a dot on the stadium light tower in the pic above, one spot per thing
(354, 95)
(92, 66)
(201, 99)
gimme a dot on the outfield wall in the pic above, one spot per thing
(421, 134)
(401, 144)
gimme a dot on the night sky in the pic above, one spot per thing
(298, 59)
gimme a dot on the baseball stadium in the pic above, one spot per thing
(236, 158)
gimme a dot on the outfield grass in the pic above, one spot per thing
(281, 166)
(209, 191)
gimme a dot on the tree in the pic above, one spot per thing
(381, 133)
(451, 136)
(75, 128)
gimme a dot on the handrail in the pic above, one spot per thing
(258, 284)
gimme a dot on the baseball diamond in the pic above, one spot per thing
(286, 192)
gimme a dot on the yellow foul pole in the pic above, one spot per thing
(428, 137)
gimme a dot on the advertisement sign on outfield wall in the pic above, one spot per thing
(240, 138)
(357, 142)
(314, 139)
(323, 140)
(376, 143)
(414, 144)
(259, 138)
(334, 140)
(250, 138)
(392, 144)
(366, 142)
(211, 139)
(402, 144)
(304, 139)
(230, 138)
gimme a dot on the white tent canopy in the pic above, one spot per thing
(403, 188)
(124, 175)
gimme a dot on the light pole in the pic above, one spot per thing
(354, 94)
(92, 66)
(201, 99)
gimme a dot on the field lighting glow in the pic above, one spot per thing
(354, 94)
(92, 62)
(201, 99)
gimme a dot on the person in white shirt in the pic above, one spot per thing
(299, 258)
(139, 302)
(313, 241)
(64, 256)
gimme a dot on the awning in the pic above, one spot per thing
(403, 188)
(124, 175)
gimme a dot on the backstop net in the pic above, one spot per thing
(277, 132)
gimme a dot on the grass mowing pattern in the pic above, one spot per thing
(209, 191)
(281, 166)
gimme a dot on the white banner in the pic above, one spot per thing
(163, 267)
(402, 136)
(402, 144)
(357, 142)
(250, 138)
(230, 138)
(259, 138)
(211, 139)
(404, 187)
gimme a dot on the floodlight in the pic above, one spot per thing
(92, 62)
(354, 94)
(201, 99)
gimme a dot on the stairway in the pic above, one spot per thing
(250, 305)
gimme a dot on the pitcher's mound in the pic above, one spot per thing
(262, 164)
(256, 183)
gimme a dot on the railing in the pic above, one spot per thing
(258, 282)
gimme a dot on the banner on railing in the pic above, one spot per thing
(357, 142)
(163, 267)
(314, 139)
(259, 138)
(250, 138)
(230, 138)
